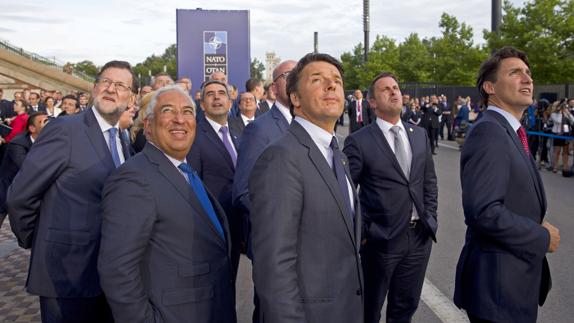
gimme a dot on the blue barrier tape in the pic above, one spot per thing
(544, 134)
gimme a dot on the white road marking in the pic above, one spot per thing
(441, 305)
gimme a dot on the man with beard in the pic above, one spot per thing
(54, 201)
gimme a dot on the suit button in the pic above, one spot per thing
(359, 292)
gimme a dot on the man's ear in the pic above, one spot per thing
(488, 87)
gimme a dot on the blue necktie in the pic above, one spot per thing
(114, 146)
(340, 174)
(197, 187)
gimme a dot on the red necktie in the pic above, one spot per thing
(359, 112)
(522, 135)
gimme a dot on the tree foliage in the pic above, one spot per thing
(87, 67)
(451, 58)
(544, 29)
(155, 64)
(257, 69)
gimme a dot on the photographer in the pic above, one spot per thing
(562, 121)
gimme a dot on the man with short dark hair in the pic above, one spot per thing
(164, 253)
(360, 113)
(214, 157)
(69, 106)
(15, 154)
(306, 239)
(391, 161)
(502, 273)
(83, 100)
(431, 112)
(256, 87)
(34, 104)
(54, 203)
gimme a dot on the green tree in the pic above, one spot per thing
(155, 64)
(352, 64)
(544, 29)
(455, 58)
(257, 69)
(86, 67)
(415, 60)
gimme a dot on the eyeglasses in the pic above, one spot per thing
(284, 74)
(120, 87)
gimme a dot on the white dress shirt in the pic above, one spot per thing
(105, 126)
(216, 126)
(514, 123)
(322, 140)
(284, 111)
(246, 120)
(390, 137)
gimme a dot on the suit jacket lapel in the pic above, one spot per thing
(279, 118)
(326, 173)
(415, 147)
(97, 139)
(172, 175)
(526, 157)
(216, 141)
(124, 139)
(381, 141)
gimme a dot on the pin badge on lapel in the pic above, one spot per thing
(411, 129)
(344, 162)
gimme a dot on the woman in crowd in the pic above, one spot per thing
(415, 115)
(51, 109)
(19, 123)
(562, 121)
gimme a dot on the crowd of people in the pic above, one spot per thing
(137, 203)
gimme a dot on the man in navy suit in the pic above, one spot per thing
(15, 154)
(502, 273)
(164, 255)
(54, 201)
(247, 108)
(214, 157)
(304, 209)
(35, 105)
(360, 113)
(391, 160)
(256, 136)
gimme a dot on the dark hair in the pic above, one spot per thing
(35, 94)
(32, 117)
(489, 68)
(293, 77)
(251, 84)
(378, 77)
(122, 65)
(206, 83)
(49, 98)
(72, 97)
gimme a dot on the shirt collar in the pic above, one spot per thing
(104, 125)
(216, 126)
(318, 134)
(386, 126)
(245, 118)
(514, 123)
(284, 111)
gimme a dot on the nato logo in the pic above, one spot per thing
(215, 42)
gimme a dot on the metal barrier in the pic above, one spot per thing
(549, 135)
(51, 62)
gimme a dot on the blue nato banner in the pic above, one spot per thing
(211, 41)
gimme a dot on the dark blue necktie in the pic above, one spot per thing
(199, 190)
(338, 161)
(114, 146)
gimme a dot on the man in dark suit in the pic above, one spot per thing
(502, 273)
(35, 105)
(246, 115)
(254, 139)
(431, 111)
(256, 87)
(164, 254)
(392, 162)
(54, 201)
(15, 154)
(360, 113)
(214, 157)
(304, 210)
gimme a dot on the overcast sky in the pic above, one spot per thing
(131, 30)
